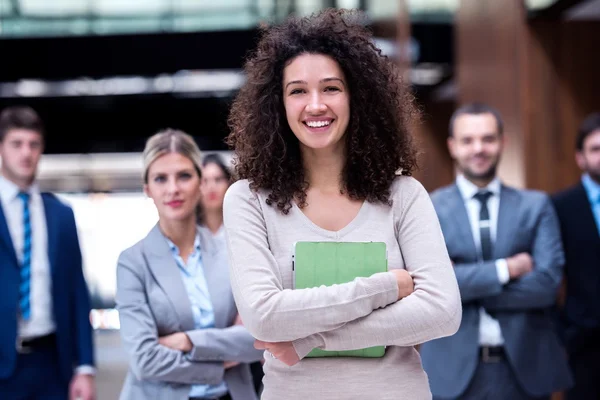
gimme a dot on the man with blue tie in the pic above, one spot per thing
(508, 258)
(578, 210)
(46, 348)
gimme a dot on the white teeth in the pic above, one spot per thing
(317, 124)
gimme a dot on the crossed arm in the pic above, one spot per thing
(150, 360)
(537, 289)
(354, 315)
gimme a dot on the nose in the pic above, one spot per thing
(315, 104)
(477, 146)
(172, 186)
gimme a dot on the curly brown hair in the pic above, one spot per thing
(378, 141)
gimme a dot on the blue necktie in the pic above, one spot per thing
(25, 284)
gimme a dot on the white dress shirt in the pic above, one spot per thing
(490, 333)
(41, 321)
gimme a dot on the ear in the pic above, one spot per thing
(580, 160)
(504, 140)
(146, 190)
(451, 145)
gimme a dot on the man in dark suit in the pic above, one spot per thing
(508, 259)
(46, 338)
(578, 210)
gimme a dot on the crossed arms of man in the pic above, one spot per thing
(533, 277)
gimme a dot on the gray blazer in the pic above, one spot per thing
(527, 222)
(153, 302)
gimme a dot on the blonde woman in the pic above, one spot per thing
(178, 318)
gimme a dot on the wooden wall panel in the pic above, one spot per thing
(564, 86)
(488, 65)
(436, 168)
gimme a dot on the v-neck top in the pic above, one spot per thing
(355, 315)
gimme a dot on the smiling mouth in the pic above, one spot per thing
(318, 125)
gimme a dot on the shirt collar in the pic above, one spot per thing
(468, 189)
(175, 249)
(592, 188)
(9, 191)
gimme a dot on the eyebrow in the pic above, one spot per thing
(321, 81)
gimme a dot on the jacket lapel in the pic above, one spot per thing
(582, 202)
(162, 264)
(6, 239)
(52, 227)
(215, 277)
(463, 225)
(509, 204)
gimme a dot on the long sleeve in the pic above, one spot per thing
(272, 313)
(81, 303)
(432, 311)
(477, 280)
(539, 288)
(230, 344)
(150, 360)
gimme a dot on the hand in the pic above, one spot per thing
(519, 265)
(231, 364)
(82, 387)
(283, 351)
(238, 320)
(406, 284)
(177, 341)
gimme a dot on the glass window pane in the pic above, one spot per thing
(60, 8)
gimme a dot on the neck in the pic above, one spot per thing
(595, 178)
(324, 170)
(213, 219)
(23, 184)
(480, 182)
(182, 233)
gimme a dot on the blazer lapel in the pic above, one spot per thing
(459, 213)
(162, 264)
(214, 277)
(509, 204)
(6, 239)
(52, 227)
(582, 202)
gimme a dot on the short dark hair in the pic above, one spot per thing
(589, 125)
(20, 117)
(476, 109)
(218, 161)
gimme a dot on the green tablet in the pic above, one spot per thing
(329, 263)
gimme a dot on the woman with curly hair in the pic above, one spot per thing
(323, 152)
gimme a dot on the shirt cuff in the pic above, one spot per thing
(502, 270)
(307, 344)
(85, 369)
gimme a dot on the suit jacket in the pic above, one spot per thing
(70, 297)
(581, 314)
(526, 223)
(153, 302)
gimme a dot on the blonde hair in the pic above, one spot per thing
(171, 141)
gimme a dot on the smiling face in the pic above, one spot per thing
(174, 186)
(476, 146)
(317, 101)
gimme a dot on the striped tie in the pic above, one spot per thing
(25, 286)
